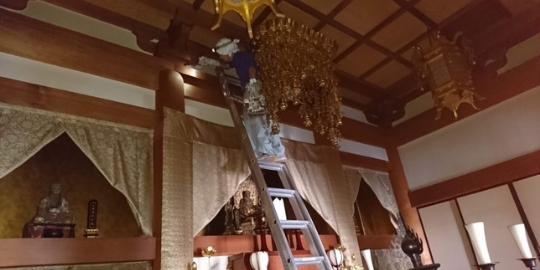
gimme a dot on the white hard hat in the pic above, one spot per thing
(226, 46)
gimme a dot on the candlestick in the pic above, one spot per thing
(366, 253)
(520, 236)
(478, 240)
(486, 266)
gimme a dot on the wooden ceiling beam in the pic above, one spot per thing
(322, 17)
(61, 101)
(339, 8)
(154, 13)
(14, 4)
(197, 4)
(40, 41)
(409, 7)
(353, 160)
(375, 30)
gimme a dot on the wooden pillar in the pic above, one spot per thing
(169, 94)
(401, 192)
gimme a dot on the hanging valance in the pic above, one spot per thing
(123, 154)
(203, 167)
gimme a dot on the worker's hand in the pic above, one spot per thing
(205, 61)
(252, 81)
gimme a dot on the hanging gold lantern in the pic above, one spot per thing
(246, 9)
(297, 68)
(447, 68)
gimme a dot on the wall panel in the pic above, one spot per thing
(496, 208)
(446, 237)
(528, 191)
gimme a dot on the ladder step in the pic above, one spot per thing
(271, 166)
(294, 224)
(281, 193)
(308, 260)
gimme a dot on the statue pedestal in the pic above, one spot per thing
(49, 230)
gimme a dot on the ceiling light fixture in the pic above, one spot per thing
(447, 68)
(297, 68)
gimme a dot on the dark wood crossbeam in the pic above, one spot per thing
(340, 7)
(301, 5)
(374, 31)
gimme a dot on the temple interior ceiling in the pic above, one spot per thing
(375, 37)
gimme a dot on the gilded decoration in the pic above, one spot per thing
(447, 68)
(245, 8)
(297, 68)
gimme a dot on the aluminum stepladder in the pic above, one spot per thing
(303, 220)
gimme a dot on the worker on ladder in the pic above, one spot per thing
(266, 146)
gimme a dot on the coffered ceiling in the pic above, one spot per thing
(375, 37)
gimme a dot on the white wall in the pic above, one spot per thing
(495, 207)
(505, 131)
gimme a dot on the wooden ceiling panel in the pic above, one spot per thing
(439, 10)
(323, 6)
(400, 32)
(424, 43)
(389, 74)
(343, 40)
(297, 14)
(360, 60)
(364, 15)
(190, 1)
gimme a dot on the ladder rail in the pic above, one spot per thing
(271, 215)
(299, 208)
(303, 220)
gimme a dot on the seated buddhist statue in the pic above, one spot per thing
(53, 208)
(249, 214)
(52, 218)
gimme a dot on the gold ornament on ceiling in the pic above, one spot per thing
(245, 8)
(447, 68)
(296, 67)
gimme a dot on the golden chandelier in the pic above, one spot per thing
(297, 67)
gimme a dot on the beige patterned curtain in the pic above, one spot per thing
(108, 266)
(318, 175)
(203, 167)
(122, 153)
